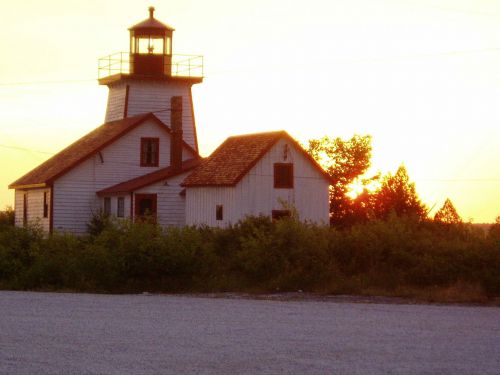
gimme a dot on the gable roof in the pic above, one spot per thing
(148, 179)
(232, 160)
(82, 149)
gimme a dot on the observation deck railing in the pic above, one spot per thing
(178, 65)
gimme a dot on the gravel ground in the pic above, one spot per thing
(64, 333)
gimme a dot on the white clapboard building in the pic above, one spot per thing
(144, 159)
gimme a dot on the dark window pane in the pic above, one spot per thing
(283, 175)
(107, 206)
(149, 152)
(45, 205)
(120, 207)
(280, 214)
(219, 212)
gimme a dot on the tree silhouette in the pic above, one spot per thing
(494, 232)
(398, 195)
(448, 214)
(345, 162)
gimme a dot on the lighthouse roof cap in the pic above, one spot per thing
(151, 23)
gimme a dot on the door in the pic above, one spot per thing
(145, 207)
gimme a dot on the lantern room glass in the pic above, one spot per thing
(151, 45)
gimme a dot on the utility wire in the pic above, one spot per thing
(58, 82)
(26, 149)
(455, 180)
(297, 66)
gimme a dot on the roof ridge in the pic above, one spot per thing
(80, 150)
(273, 132)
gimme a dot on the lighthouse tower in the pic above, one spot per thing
(147, 77)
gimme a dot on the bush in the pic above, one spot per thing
(390, 256)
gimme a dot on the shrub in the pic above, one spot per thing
(256, 254)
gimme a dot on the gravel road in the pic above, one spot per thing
(65, 333)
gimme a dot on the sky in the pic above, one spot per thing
(421, 76)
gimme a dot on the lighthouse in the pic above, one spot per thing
(145, 78)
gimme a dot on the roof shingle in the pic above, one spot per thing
(227, 165)
(148, 179)
(80, 150)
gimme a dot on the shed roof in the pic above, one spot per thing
(148, 179)
(82, 149)
(227, 165)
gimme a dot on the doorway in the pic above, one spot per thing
(145, 207)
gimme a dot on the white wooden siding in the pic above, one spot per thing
(170, 204)
(255, 193)
(116, 102)
(35, 207)
(150, 96)
(18, 207)
(75, 198)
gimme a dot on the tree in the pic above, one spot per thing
(494, 232)
(398, 195)
(345, 162)
(448, 214)
(7, 217)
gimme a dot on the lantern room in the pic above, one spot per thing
(151, 47)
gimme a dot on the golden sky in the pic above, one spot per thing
(421, 76)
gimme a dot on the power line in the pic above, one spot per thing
(458, 180)
(26, 149)
(297, 66)
(59, 82)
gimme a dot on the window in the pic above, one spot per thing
(120, 207)
(45, 204)
(107, 206)
(280, 214)
(25, 209)
(150, 152)
(219, 212)
(283, 175)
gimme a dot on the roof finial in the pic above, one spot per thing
(151, 11)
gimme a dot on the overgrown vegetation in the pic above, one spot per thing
(401, 256)
(380, 242)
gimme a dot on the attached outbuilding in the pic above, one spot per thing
(257, 174)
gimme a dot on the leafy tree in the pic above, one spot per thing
(448, 214)
(345, 162)
(494, 231)
(398, 195)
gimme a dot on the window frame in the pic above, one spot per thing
(120, 207)
(45, 204)
(106, 207)
(278, 169)
(25, 209)
(144, 153)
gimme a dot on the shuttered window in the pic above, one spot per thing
(283, 175)
(150, 148)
